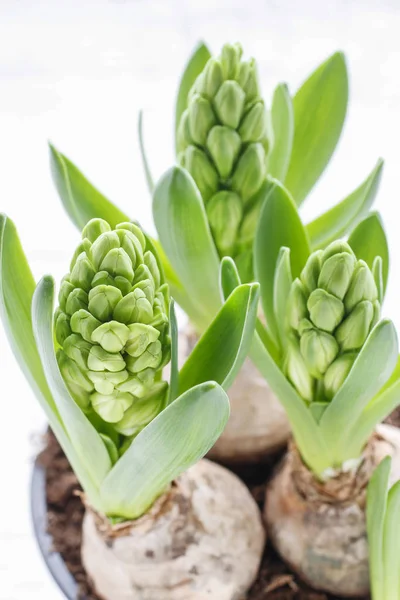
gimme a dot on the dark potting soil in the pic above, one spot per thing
(65, 515)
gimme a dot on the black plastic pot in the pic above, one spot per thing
(54, 561)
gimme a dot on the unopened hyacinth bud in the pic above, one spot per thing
(112, 326)
(332, 308)
(223, 143)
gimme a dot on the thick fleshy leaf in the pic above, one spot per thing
(282, 119)
(80, 198)
(368, 241)
(221, 350)
(345, 215)
(229, 278)
(174, 376)
(175, 440)
(279, 225)
(145, 162)
(184, 233)
(282, 283)
(371, 370)
(377, 496)
(194, 67)
(306, 431)
(391, 544)
(87, 443)
(319, 112)
(16, 290)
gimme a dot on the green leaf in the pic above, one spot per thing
(229, 278)
(391, 544)
(345, 215)
(145, 162)
(377, 495)
(80, 198)
(279, 225)
(368, 240)
(306, 432)
(282, 283)
(194, 67)
(282, 118)
(221, 350)
(16, 290)
(175, 440)
(86, 441)
(320, 107)
(371, 370)
(184, 233)
(174, 377)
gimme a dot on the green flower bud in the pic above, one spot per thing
(111, 408)
(230, 58)
(94, 229)
(229, 103)
(362, 287)
(326, 311)
(336, 247)
(337, 372)
(224, 212)
(297, 372)
(310, 274)
(224, 145)
(253, 125)
(102, 301)
(184, 137)
(202, 171)
(354, 330)
(85, 248)
(112, 323)
(212, 78)
(250, 172)
(249, 226)
(62, 326)
(201, 119)
(297, 304)
(318, 349)
(336, 273)
(252, 84)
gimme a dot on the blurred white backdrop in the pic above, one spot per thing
(77, 73)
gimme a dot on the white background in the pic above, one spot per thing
(77, 72)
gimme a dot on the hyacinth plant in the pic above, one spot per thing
(95, 365)
(324, 350)
(228, 147)
(383, 525)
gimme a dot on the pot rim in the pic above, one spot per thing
(53, 559)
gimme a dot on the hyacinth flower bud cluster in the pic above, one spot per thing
(332, 308)
(112, 326)
(222, 142)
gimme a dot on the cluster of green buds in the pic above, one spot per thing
(112, 326)
(222, 142)
(332, 308)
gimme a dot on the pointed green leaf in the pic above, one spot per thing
(282, 118)
(86, 441)
(368, 240)
(279, 225)
(282, 283)
(194, 67)
(80, 198)
(229, 278)
(391, 544)
(371, 370)
(174, 377)
(16, 290)
(145, 162)
(319, 112)
(175, 440)
(345, 215)
(220, 352)
(184, 233)
(377, 495)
